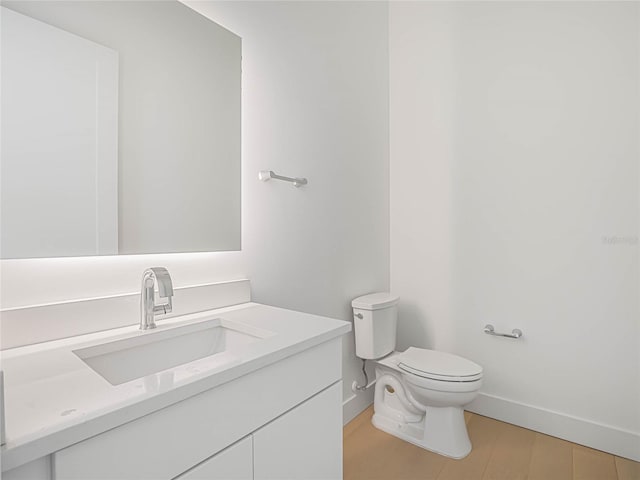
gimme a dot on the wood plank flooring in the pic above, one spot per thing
(500, 452)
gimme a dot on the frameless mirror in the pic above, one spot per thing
(120, 129)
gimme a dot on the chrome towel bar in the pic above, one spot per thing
(515, 333)
(265, 175)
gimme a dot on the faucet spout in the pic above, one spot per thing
(148, 307)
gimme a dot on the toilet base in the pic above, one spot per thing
(442, 430)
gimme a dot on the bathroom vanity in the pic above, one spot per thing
(157, 404)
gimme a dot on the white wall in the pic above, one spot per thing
(422, 148)
(315, 104)
(514, 160)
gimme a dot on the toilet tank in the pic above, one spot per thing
(375, 318)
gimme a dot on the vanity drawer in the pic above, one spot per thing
(304, 443)
(166, 443)
(233, 463)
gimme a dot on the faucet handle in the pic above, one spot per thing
(163, 280)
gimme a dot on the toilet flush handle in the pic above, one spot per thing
(358, 315)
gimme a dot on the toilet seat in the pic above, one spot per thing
(439, 366)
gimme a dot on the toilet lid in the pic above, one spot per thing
(439, 365)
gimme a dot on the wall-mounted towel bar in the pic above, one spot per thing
(515, 333)
(265, 175)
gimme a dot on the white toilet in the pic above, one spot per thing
(419, 393)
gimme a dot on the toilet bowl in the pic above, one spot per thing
(425, 411)
(419, 393)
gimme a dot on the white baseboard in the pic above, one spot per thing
(355, 404)
(609, 439)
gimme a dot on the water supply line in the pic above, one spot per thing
(355, 387)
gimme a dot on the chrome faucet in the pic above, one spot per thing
(148, 307)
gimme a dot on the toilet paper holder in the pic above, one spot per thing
(515, 333)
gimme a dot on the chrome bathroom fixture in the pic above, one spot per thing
(515, 333)
(148, 307)
(266, 175)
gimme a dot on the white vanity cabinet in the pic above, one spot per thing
(304, 443)
(283, 420)
(267, 409)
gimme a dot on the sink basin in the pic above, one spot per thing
(153, 351)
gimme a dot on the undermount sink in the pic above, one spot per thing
(151, 352)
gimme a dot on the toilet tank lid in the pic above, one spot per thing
(375, 301)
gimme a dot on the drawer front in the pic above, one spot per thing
(166, 443)
(39, 469)
(303, 444)
(232, 463)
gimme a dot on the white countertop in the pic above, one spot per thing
(53, 399)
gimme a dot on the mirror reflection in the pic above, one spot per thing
(120, 129)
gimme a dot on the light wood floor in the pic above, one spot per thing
(500, 451)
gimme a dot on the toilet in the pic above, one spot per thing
(419, 393)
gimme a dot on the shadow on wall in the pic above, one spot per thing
(413, 327)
